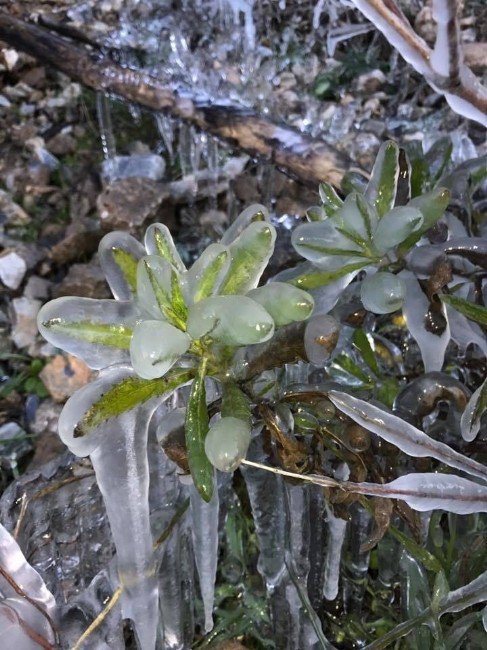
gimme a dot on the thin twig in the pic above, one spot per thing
(99, 619)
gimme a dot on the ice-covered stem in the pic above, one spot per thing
(442, 68)
(118, 452)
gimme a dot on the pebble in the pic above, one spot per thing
(12, 269)
(64, 375)
(24, 330)
(37, 288)
(86, 280)
(370, 82)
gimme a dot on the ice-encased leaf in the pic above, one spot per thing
(330, 199)
(119, 254)
(409, 439)
(235, 403)
(155, 348)
(196, 429)
(310, 278)
(321, 243)
(13, 562)
(256, 212)
(464, 331)
(381, 189)
(395, 227)
(320, 338)
(250, 253)
(158, 241)
(116, 391)
(357, 218)
(429, 491)
(477, 313)
(231, 320)
(416, 311)
(472, 416)
(316, 213)
(159, 291)
(285, 303)
(98, 331)
(206, 275)
(336, 537)
(227, 443)
(432, 206)
(382, 293)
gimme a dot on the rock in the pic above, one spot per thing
(475, 56)
(11, 212)
(14, 445)
(37, 288)
(87, 280)
(63, 376)
(370, 82)
(139, 165)
(10, 58)
(126, 204)
(35, 77)
(48, 444)
(12, 269)
(79, 242)
(24, 330)
(61, 144)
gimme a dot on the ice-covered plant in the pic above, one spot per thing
(176, 325)
(382, 232)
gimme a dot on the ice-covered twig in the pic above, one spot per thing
(443, 68)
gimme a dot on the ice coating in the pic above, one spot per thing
(336, 536)
(382, 293)
(255, 212)
(226, 443)
(415, 310)
(98, 331)
(155, 347)
(207, 273)
(154, 290)
(159, 242)
(322, 244)
(116, 250)
(472, 416)
(232, 320)
(395, 226)
(285, 303)
(16, 612)
(118, 452)
(408, 438)
(320, 338)
(205, 543)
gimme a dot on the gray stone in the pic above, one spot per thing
(37, 288)
(12, 269)
(24, 331)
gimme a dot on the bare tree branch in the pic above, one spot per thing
(309, 160)
(443, 67)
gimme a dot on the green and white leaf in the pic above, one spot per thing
(206, 275)
(158, 241)
(155, 348)
(381, 189)
(284, 302)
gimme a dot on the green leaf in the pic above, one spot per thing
(427, 559)
(210, 276)
(235, 403)
(381, 190)
(318, 213)
(127, 394)
(432, 206)
(196, 428)
(345, 362)
(481, 405)
(111, 334)
(169, 299)
(250, 253)
(178, 303)
(159, 241)
(316, 279)
(475, 312)
(362, 343)
(128, 266)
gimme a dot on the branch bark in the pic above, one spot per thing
(461, 88)
(309, 160)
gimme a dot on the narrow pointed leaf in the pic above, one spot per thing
(362, 343)
(205, 276)
(98, 331)
(315, 279)
(405, 436)
(471, 417)
(329, 197)
(235, 403)
(159, 291)
(381, 190)
(249, 255)
(127, 394)
(119, 254)
(475, 312)
(159, 241)
(196, 428)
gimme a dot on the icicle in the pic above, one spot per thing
(358, 565)
(106, 127)
(166, 129)
(118, 452)
(205, 544)
(266, 496)
(336, 537)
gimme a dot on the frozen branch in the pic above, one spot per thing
(443, 68)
